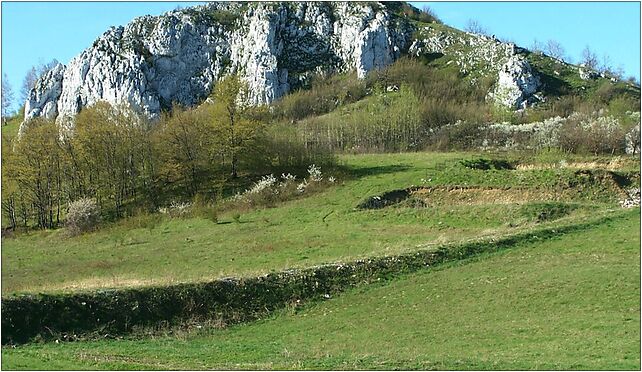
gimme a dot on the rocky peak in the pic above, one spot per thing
(156, 61)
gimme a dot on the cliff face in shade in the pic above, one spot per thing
(156, 61)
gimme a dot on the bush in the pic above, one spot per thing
(596, 135)
(487, 164)
(324, 95)
(83, 215)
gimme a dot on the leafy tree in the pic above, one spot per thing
(107, 145)
(9, 187)
(236, 128)
(184, 142)
(36, 168)
(7, 98)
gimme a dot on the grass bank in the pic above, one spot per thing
(571, 302)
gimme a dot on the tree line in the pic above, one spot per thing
(128, 163)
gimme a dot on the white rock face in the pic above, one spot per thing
(43, 99)
(516, 83)
(632, 140)
(479, 56)
(587, 73)
(154, 62)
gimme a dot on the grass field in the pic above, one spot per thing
(566, 303)
(321, 228)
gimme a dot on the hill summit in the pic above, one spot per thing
(178, 57)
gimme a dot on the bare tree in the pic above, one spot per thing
(430, 14)
(589, 59)
(555, 50)
(633, 80)
(7, 98)
(472, 25)
(619, 72)
(537, 46)
(28, 83)
(606, 65)
(32, 76)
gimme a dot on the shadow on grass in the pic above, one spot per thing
(360, 172)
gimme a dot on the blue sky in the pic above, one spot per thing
(35, 32)
(611, 28)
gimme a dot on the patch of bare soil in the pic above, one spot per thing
(613, 164)
(457, 195)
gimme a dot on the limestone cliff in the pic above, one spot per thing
(156, 61)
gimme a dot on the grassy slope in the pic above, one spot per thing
(292, 235)
(559, 304)
(11, 128)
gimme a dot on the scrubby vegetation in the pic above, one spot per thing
(129, 165)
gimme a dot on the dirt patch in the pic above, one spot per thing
(482, 195)
(386, 199)
(582, 183)
(615, 164)
(418, 196)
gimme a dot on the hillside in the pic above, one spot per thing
(325, 185)
(176, 58)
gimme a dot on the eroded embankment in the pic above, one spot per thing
(568, 190)
(107, 313)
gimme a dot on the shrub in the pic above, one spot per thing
(602, 134)
(324, 95)
(83, 215)
(487, 164)
(204, 207)
(176, 209)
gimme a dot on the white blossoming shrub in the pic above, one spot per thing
(595, 133)
(266, 183)
(83, 215)
(632, 139)
(300, 188)
(268, 189)
(546, 134)
(287, 178)
(315, 173)
(176, 209)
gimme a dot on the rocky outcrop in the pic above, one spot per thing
(632, 139)
(43, 99)
(587, 73)
(154, 62)
(516, 85)
(478, 56)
